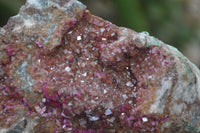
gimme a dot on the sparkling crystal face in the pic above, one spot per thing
(92, 78)
(96, 79)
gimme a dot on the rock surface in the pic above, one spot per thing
(65, 70)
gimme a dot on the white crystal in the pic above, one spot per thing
(104, 91)
(102, 30)
(103, 39)
(150, 77)
(108, 112)
(67, 69)
(94, 118)
(85, 74)
(62, 114)
(69, 104)
(124, 96)
(70, 32)
(144, 119)
(97, 98)
(129, 84)
(113, 34)
(92, 101)
(79, 38)
(43, 100)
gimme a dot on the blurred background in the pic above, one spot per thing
(175, 22)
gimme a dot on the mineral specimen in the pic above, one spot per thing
(65, 70)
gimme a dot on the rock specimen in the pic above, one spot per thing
(65, 70)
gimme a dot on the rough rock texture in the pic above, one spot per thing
(65, 70)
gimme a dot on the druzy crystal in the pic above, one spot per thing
(65, 70)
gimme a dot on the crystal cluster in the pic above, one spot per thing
(65, 70)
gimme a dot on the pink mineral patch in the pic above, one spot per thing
(38, 43)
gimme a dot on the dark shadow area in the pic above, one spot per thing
(9, 8)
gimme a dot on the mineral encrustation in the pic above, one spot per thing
(65, 70)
